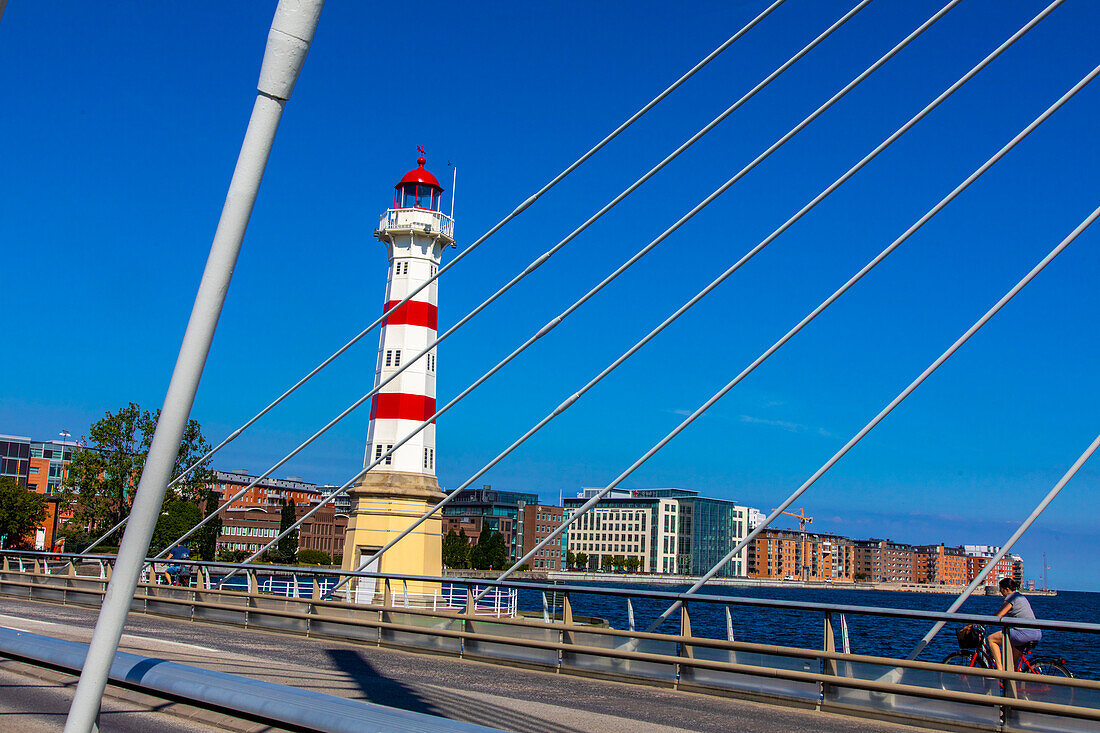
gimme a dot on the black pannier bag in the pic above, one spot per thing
(969, 637)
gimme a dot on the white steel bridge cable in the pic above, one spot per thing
(594, 500)
(912, 386)
(630, 352)
(958, 602)
(554, 322)
(539, 261)
(516, 212)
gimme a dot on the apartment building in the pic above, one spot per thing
(267, 493)
(883, 561)
(940, 565)
(539, 522)
(793, 555)
(978, 556)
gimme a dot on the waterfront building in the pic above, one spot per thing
(978, 556)
(539, 521)
(665, 530)
(403, 486)
(792, 555)
(502, 511)
(940, 565)
(883, 561)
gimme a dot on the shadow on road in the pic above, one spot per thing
(445, 703)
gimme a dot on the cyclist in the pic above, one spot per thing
(176, 573)
(1015, 606)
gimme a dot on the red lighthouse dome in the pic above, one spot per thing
(418, 189)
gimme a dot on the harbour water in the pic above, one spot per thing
(867, 634)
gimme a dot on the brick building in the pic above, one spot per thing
(883, 561)
(788, 554)
(539, 520)
(941, 565)
(250, 528)
(267, 493)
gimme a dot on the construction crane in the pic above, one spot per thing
(803, 520)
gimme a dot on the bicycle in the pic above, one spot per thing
(974, 652)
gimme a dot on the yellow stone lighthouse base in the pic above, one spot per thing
(384, 504)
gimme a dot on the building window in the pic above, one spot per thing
(389, 358)
(429, 458)
(389, 458)
(377, 452)
(431, 363)
(397, 357)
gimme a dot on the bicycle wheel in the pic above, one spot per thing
(1044, 690)
(966, 682)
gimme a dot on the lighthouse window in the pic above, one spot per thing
(389, 358)
(389, 458)
(429, 458)
(424, 198)
(397, 357)
(431, 362)
(377, 452)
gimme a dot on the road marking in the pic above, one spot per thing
(13, 622)
(172, 643)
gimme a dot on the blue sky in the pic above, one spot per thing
(120, 132)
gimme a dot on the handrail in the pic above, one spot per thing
(1053, 625)
(694, 641)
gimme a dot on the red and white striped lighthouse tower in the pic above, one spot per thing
(403, 486)
(415, 231)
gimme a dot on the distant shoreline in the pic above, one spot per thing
(635, 579)
(762, 583)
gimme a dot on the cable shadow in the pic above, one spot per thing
(453, 705)
(376, 688)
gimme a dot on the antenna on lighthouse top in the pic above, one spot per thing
(454, 180)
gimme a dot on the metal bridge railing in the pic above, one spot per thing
(822, 677)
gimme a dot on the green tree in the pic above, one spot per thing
(632, 564)
(456, 549)
(206, 539)
(176, 517)
(105, 471)
(313, 557)
(21, 511)
(607, 561)
(496, 552)
(570, 559)
(490, 550)
(287, 547)
(582, 560)
(477, 552)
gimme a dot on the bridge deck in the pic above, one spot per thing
(507, 698)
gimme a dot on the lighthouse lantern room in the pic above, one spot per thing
(403, 485)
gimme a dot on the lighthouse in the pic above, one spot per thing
(402, 487)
